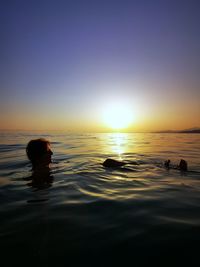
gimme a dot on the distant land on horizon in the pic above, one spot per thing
(190, 130)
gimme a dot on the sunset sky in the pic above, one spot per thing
(99, 65)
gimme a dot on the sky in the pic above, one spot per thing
(82, 65)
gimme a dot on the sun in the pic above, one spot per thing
(117, 116)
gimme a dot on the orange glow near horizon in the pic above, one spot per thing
(121, 115)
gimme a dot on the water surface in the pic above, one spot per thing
(87, 215)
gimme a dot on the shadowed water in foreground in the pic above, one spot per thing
(83, 214)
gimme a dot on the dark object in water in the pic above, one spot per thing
(112, 163)
(167, 162)
(183, 166)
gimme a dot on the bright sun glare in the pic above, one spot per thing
(118, 116)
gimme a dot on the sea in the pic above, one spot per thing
(87, 215)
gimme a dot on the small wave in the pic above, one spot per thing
(10, 147)
(35, 201)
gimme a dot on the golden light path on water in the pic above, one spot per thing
(118, 144)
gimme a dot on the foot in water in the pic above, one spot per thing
(183, 166)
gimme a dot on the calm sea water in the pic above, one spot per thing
(87, 215)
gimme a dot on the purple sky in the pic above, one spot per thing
(61, 61)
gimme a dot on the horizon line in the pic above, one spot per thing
(116, 131)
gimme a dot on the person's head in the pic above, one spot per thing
(39, 153)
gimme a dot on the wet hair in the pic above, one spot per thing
(36, 149)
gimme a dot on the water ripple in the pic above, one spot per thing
(139, 209)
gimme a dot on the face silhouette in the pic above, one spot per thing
(45, 159)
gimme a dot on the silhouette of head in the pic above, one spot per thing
(39, 153)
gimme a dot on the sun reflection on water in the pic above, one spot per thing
(118, 144)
